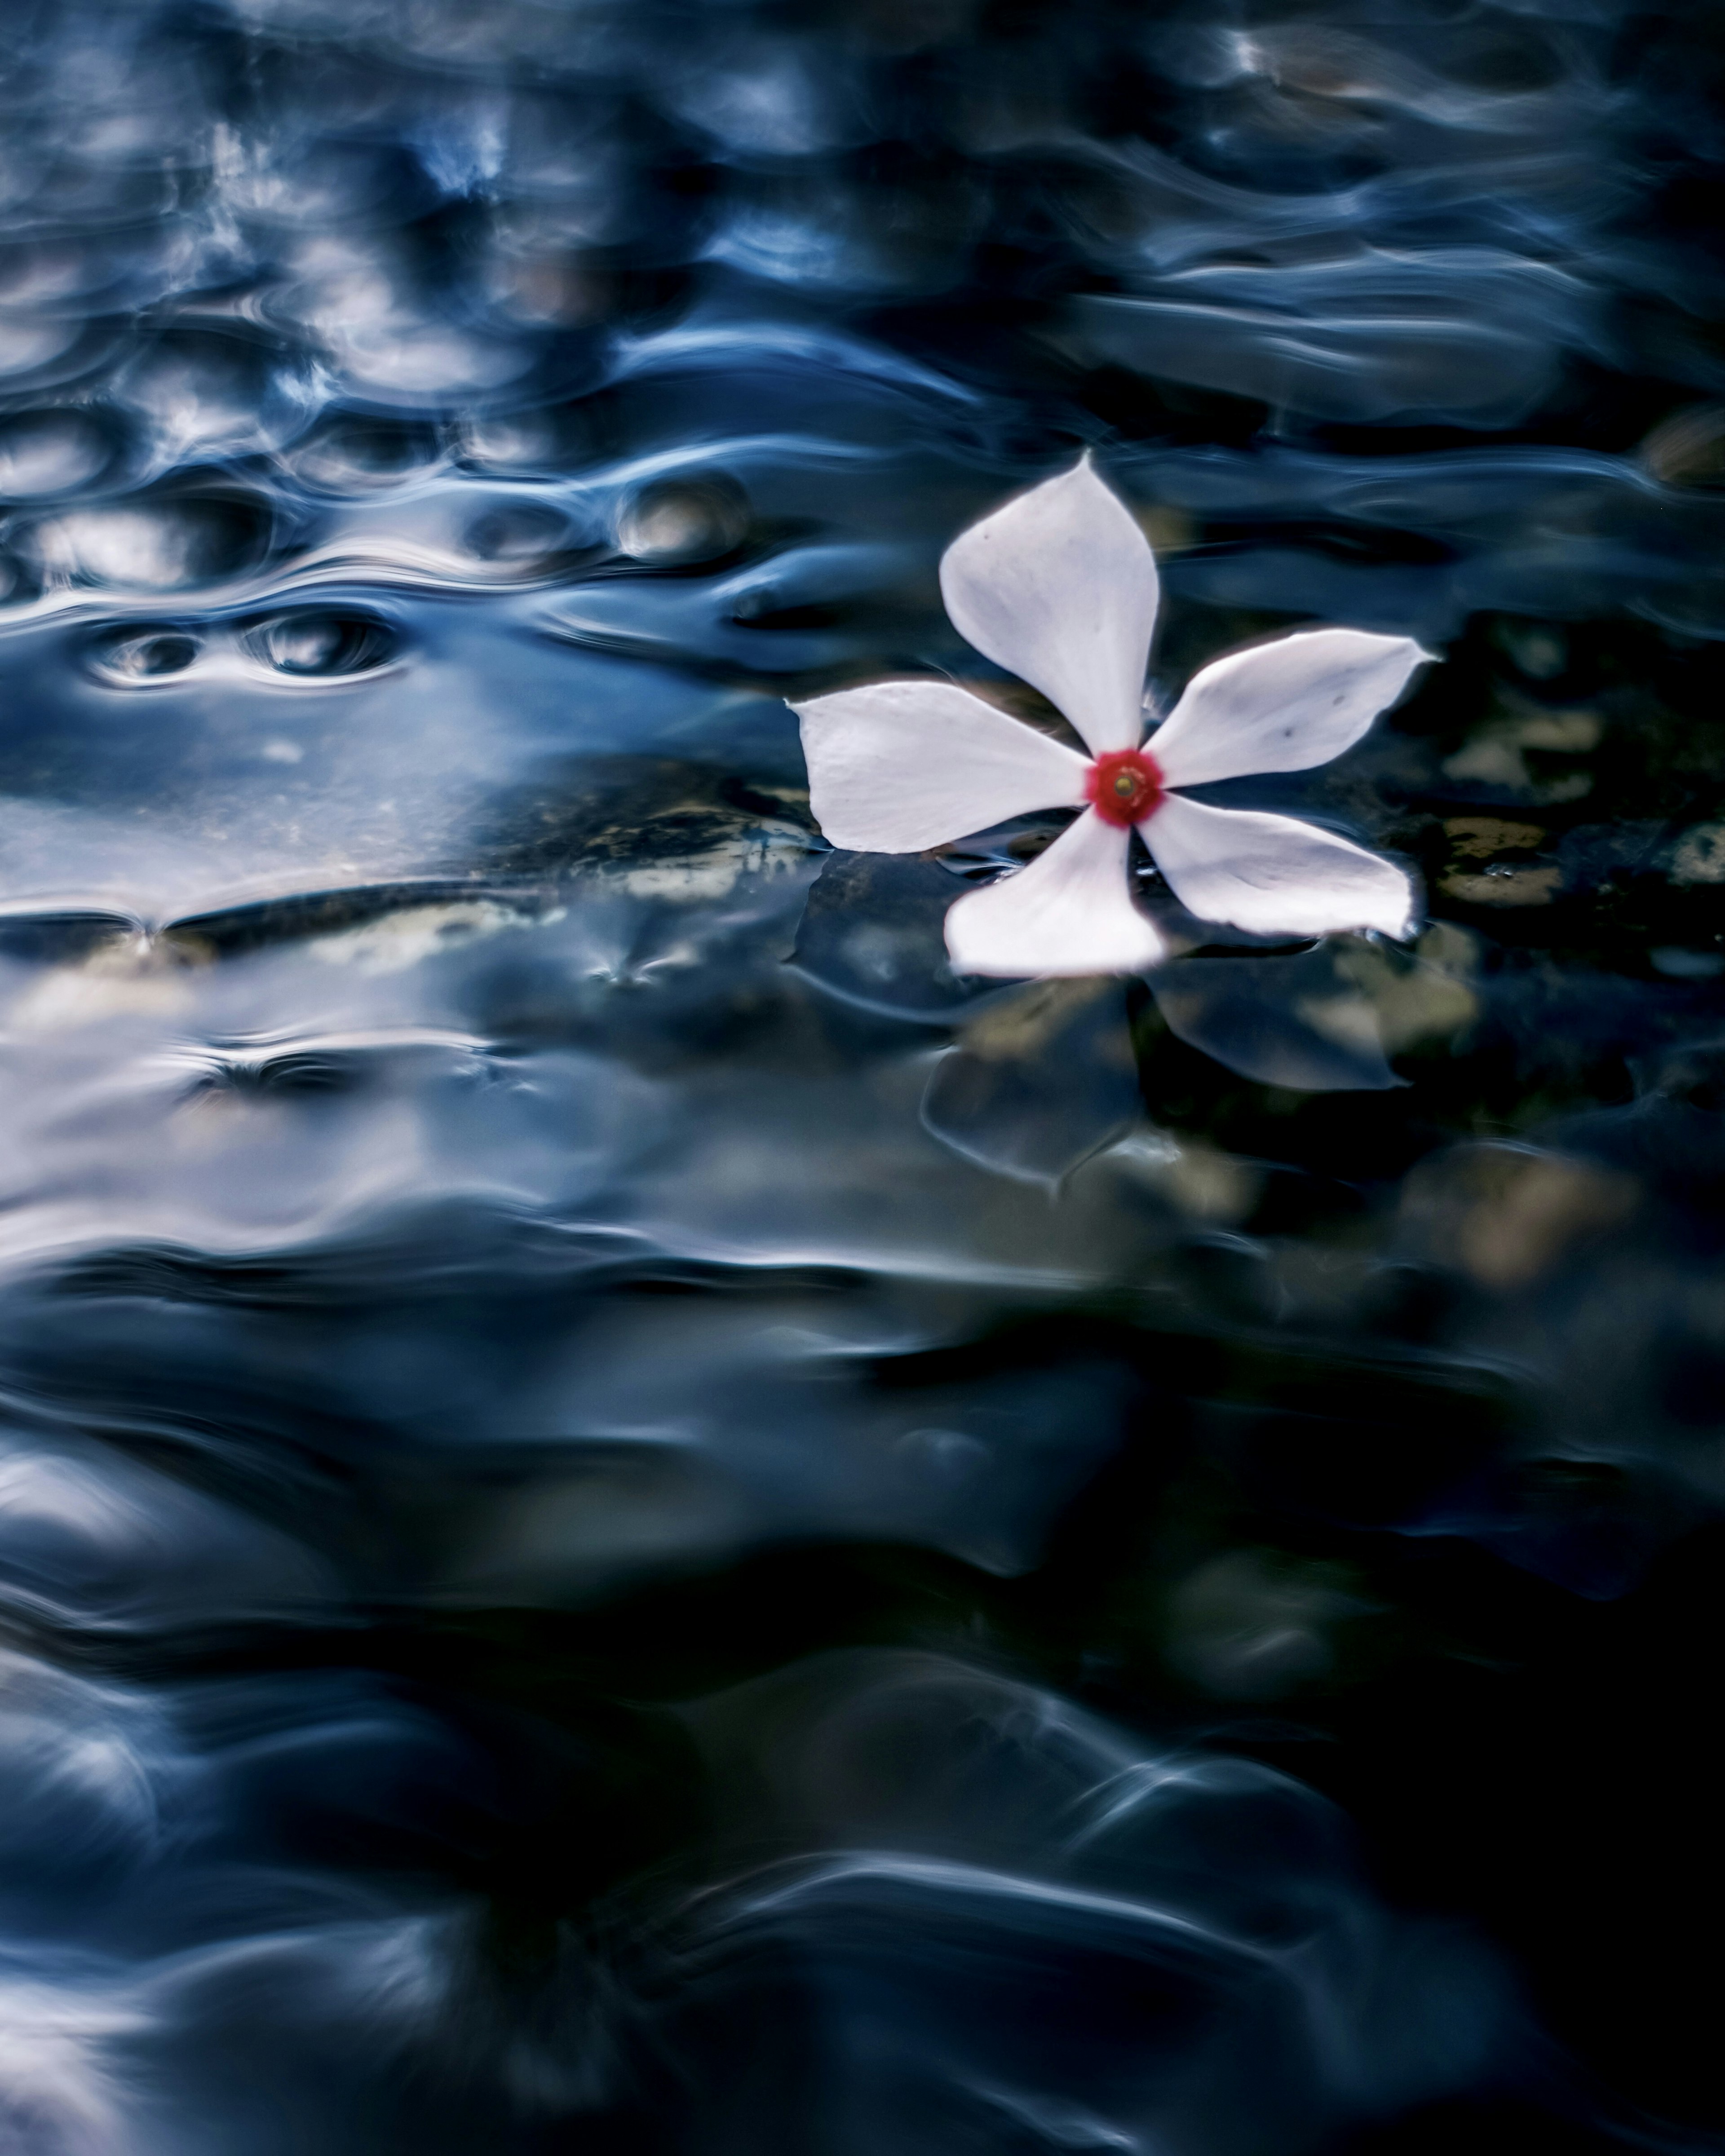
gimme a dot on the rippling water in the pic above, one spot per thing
(632, 1519)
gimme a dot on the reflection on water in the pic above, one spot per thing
(628, 1513)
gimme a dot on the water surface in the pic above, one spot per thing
(630, 1517)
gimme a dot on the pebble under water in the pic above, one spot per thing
(632, 1519)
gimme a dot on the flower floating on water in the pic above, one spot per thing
(1059, 587)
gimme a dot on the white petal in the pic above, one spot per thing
(1059, 587)
(1273, 874)
(1283, 706)
(1071, 911)
(902, 765)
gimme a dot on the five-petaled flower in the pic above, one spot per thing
(1059, 587)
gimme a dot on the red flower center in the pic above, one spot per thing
(1124, 786)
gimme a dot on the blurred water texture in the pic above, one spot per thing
(632, 1519)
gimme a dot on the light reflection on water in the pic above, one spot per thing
(625, 1511)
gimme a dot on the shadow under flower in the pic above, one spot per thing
(1041, 1075)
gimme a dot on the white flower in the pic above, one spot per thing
(1059, 587)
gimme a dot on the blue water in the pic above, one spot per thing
(632, 1519)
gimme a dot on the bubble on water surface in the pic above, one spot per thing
(311, 644)
(148, 653)
(163, 546)
(26, 345)
(350, 453)
(54, 452)
(521, 537)
(670, 523)
(512, 441)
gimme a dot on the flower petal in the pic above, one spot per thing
(1273, 874)
(1282, 706)
(1071, 911)
(902, 765)
(1059, 587)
